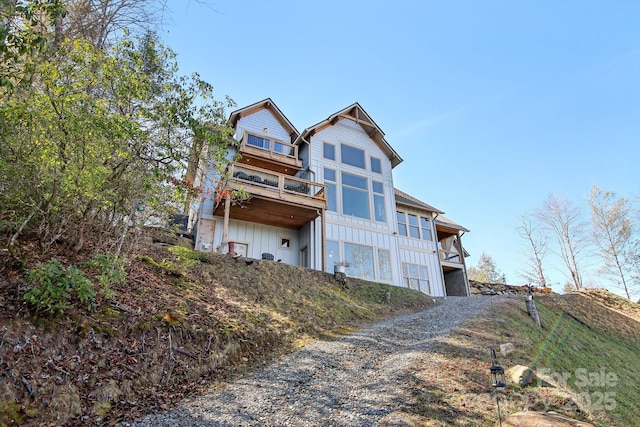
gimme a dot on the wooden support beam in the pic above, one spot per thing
(323, 245)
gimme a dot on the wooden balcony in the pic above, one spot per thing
(450, 259)
(277, 199)
(270, 153)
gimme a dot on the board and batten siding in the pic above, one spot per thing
(261, 239)
(351, 229)
(411, 255)
(423, 252)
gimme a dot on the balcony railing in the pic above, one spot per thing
(450, 256)
(272, 184)
(264, 146)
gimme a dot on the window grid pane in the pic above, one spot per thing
(355, 202)
(332, 198)
(256, 141)
(402, 221)
(330, 174)
(354, 181)
(384, 264)
(332, 254)
(378, 207)
(352, 156)
(414, 230)
(360, 259)
(416, 277)
(329, 151)
(355, 196)
(376, 165)
(426, 228)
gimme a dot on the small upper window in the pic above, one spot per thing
(414, 230)
(352, 156)
(402, 223)
(376, 165)
(285, 243)
(329, 151)
(425, 225)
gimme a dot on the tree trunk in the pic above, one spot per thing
(532, 310)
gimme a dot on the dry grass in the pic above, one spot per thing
(592, 333)
(182, 323)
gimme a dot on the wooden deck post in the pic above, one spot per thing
(323, 239)
(225, 225)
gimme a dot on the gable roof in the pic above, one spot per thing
(403, 198)
(266, 104)
(356, 113)
(446, 222)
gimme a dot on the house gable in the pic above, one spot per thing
(356, 114)
(263, 110)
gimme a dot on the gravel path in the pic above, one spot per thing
(352, 381)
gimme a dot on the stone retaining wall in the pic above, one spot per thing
(488, 289)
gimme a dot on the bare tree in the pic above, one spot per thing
(613, 231)
(537, 241)
(102, 22)
(564, 220)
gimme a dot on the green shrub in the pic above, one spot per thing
(188, 256)
(110, 271)
(53, 285)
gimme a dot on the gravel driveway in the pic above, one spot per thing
(352, 381)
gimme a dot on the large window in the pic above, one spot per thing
(352, 156)
(416, 277)
(360, 259)
(330, 182)
(355, 196)
(378, 202)
(415, 226)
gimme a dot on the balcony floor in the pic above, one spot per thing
(271, 212)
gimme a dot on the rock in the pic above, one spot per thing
(507, 348)
(546, 419)
(521, 375)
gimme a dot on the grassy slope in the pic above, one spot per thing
(591, 338)
(182, 325)
(178, 326)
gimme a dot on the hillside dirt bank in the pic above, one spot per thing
(181, 322)
(361, 379)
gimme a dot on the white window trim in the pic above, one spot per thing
(285, 248)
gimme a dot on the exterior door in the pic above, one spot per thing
(206, 235)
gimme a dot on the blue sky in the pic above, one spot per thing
(494, 105)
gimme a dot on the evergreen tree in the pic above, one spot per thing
(486, 271)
